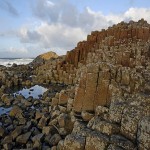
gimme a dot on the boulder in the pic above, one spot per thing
(96, 141)
(54, 140)
(23, 138)
(87, 116)
(17, 132)
(7, 99)
(74, 141)
(63, 98)
(144, 133)
(16, 112)
(2, 131)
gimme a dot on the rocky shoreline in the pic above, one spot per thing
(98, 95)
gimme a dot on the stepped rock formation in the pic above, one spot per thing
(106, 105)
(111, 75)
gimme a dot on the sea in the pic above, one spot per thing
(8, 62)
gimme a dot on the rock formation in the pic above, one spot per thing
(111, 73)
(106, 105)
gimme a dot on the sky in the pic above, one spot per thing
(32, 27)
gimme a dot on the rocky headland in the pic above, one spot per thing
(98, 95)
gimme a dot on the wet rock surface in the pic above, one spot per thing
(105, 105)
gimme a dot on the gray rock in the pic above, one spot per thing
(8, 146)
(74, 142)
(38, 115)
(47, 129)
(54, 139)
(42, 122)
(7, 99)
(96, 141)
(2, 131)
(7, 140)
(38, 137)
(23, 138)
(143, 135)
(37, 145)
(100, 110)
(129, 123)
(122, 142)
(105, 127)
(16, 132)
(114, 147)
(86, 115)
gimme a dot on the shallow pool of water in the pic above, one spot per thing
(4, 110)
(34, 91)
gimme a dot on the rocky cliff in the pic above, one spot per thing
(110, 74)
(106, 105)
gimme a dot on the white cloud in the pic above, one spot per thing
(61, 29)
(53, 36)
(138, 13)
(18, 50)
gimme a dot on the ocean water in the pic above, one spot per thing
(4, 110)
(19, 61)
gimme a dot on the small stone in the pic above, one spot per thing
(87, 116)
(100, 110)
(60, 145)
(37, 145)
(114, 147)
(54, 139)
(61, 119)
(7, 139)
(38, 137)
(8, 146)
(62, 109)
(54, 101)
(54, 148)
(47, 138)
(96, 141)
(63, 98)
(16, 112)
(42, 122)
(16, 132)
(38, 115)
(23, 138)
(2, 131)
(28, 126)
(122, 142)
(7, 99)
(46, 130)
(74, 141)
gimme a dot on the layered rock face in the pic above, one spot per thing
(117, 66)
(110, 73)
(106, 105)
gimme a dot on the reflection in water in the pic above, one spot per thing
(5, 110)
(34, 91)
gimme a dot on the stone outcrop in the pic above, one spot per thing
(41, 59)
(106, 105)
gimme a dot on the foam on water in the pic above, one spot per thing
(19, 61)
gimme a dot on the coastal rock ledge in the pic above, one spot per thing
(106, 105)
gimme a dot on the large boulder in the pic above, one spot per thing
(41, 59)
